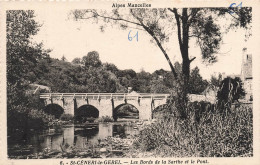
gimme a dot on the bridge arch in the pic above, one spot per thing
(156, 111)
(54, 109)
(85, 113)
(125, 110)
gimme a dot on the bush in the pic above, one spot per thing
(213, 135)
(25, 120)
(66, 117)
(230, 90)
(38, 119)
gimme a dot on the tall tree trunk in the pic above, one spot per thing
(183, 38)
(185, 50)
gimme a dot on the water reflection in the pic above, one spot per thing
(123, 130)
(73, 135)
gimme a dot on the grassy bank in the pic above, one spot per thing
(205, 134)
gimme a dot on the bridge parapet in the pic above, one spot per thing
(105, 96)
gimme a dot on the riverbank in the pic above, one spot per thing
(212, 133)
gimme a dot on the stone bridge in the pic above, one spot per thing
(106, 103)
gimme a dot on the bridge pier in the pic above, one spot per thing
(104, 107)
(145, 112)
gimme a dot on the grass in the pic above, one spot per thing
(207, 133)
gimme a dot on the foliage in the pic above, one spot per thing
(22, 58)
(196, 83)
(201, 129)
(111, 67)
(65, 77)
(215, 82)
(92, 59)
(32, 119)
(63, 58)
(76, 61)
(231, 90)
(213, 135)
(161, 111)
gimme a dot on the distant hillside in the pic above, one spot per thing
(89, 74)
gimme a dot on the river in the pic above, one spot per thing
(74, 135)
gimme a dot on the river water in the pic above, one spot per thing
(75, 135)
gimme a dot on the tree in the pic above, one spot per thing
(128, 73)
(197, 85)
(158, 86)
(111, 67)
(76, 61)
(141, 83)
(63, 58)
(190, 22)
(22, 57)
(215, 82)
(92, 59)
(231, 90)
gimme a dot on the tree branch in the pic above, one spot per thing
(194, 11)
(192, 59)
(86, 17)
(233, 16)
(159, 45)
(111, 18)
(177, 17)
(197, 36)
(95, 14)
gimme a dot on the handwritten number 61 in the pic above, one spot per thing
(234, 5)
(131, 38)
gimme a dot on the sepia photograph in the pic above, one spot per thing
(129, 81)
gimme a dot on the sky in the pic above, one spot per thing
(69, 38)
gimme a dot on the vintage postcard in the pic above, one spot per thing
(106, 82)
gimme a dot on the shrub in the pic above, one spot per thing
(25, 120)
(66, 117)
(213, 135)
(230, 90)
